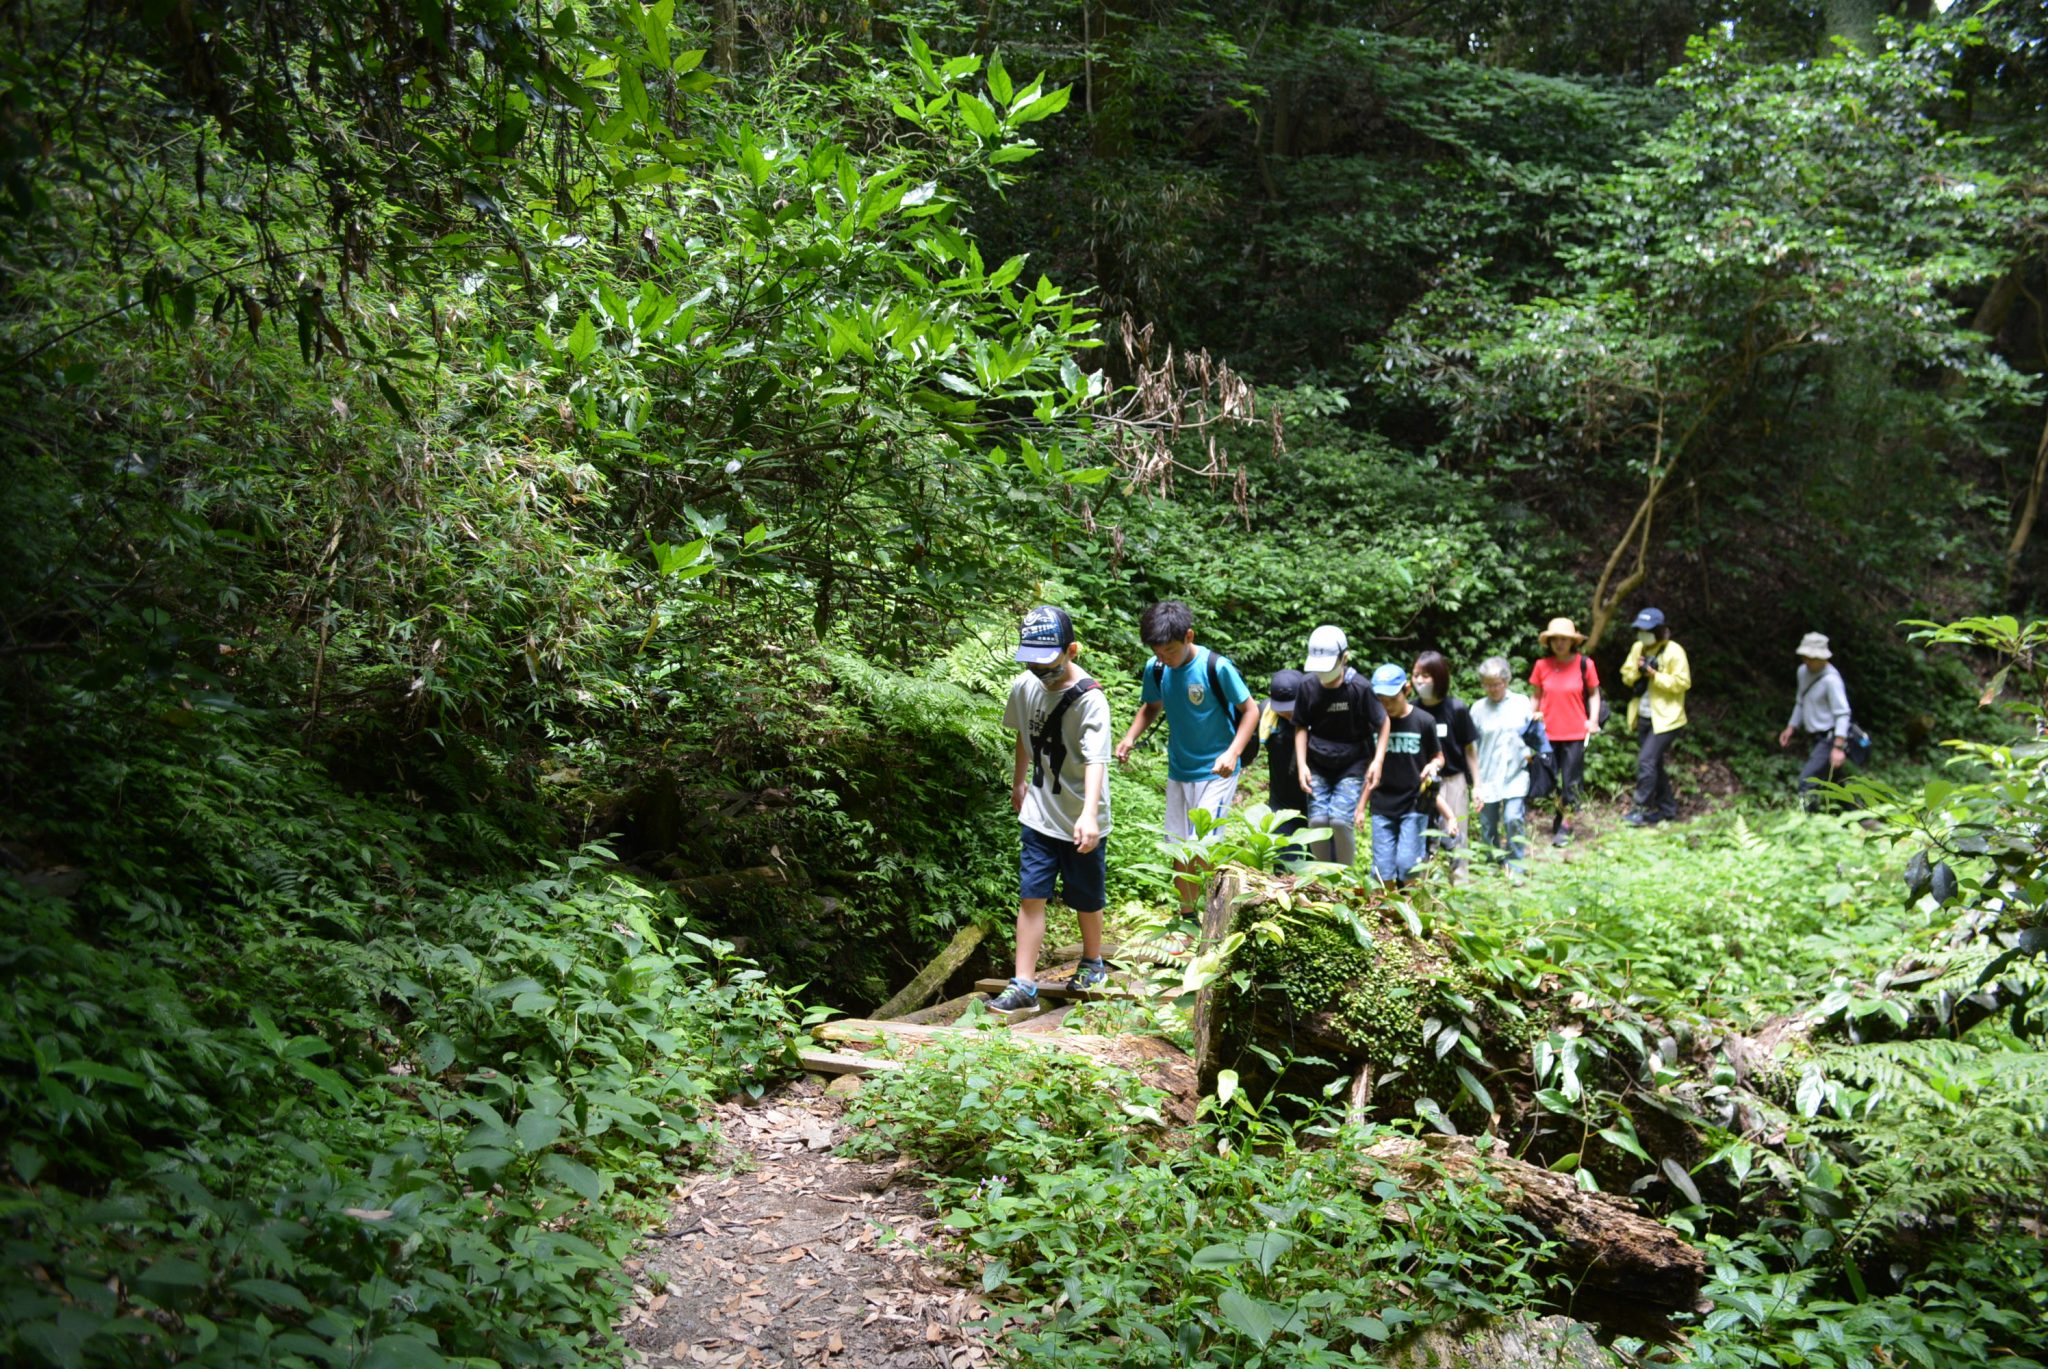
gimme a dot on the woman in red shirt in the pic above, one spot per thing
(1568, 696)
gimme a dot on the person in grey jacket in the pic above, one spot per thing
(1820, 713)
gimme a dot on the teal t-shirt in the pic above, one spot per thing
(1198, 728)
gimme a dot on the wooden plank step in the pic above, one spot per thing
(840, 1062)
(907, 1037)
(1053, 993)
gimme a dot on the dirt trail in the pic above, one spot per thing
(783, 1256)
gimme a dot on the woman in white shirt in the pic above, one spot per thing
(1500, 764)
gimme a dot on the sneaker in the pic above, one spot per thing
(1018, 997)
(1092, 974)
(1638, 820)
(1563, 837)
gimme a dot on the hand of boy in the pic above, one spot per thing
(1226, 766)
(1123, 751)
(1017, 797)
(1087, 834)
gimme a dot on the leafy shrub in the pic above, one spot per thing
(1283, 1247)
(274, 1093)
(1977, 1303)
(990, 1107)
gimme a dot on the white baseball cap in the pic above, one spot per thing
(1326, 645)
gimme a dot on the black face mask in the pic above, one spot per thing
(1048, 673)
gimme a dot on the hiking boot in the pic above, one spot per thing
(1019, 997)
(1562, 837)
(1091, 974)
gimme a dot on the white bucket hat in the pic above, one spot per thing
(1814, 645)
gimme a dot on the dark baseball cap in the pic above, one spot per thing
(1285, 690)
(1045, 632)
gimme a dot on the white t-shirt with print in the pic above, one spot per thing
(1086, 730)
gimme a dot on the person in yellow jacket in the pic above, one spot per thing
(1658, 672)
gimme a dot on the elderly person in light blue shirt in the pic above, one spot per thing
(1820, 712)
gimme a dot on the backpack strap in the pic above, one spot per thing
(1049, 743)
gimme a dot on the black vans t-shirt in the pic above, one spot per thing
(1411, 745)
(1343, 722)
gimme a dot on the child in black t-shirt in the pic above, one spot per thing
(1456, 736)
(1341, 737)
(1284, 789)
(1399, 809)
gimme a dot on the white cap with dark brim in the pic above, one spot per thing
(1326, 646)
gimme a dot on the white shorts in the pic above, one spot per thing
(1184, 796)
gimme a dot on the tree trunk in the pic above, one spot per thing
(725, 35)
(1854, 21)
(2029, 511)
(1217, 914)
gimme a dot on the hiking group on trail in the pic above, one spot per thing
(1394, 750)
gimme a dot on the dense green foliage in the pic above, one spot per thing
(278, 1092)
(510, 502)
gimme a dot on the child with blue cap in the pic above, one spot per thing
(1396, 800)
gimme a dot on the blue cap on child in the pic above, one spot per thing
(1389, 680)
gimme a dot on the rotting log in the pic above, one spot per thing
(931, 980)
(1604, 1241)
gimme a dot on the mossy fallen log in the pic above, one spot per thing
(929, 981)
(1604, 1241)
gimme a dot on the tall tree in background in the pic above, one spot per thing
(1787, 246)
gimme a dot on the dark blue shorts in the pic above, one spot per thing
(1083, 880)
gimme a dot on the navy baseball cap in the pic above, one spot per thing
(1286, 690)
(1045, 632)
(1649, 620)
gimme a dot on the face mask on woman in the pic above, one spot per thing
(1426, 690)
(1646, 638)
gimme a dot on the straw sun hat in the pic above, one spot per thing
(1559, 627)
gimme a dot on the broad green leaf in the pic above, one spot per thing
(574, 1175)
(1248, 1316)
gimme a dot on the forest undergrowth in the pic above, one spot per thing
(518, 516)
(1856, 1201)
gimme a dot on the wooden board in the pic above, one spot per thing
(1053, 993)
(838, 1062)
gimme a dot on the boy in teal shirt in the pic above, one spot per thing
(1211, 720)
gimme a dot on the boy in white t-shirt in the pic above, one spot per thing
(1059, 789)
